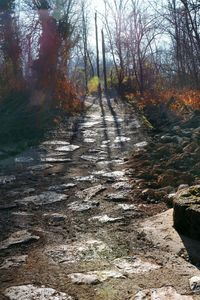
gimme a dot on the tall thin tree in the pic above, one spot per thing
(97, 52)
(104, 62)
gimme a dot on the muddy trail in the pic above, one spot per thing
(69, 227)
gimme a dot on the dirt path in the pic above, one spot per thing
(69, 229)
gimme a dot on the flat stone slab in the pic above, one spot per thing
(86, 250)
(23, 159)
(121, 185)
(117, 197)
(54, 153)
(95, 277)
(91, 192)
(90, 158)
(106, 219)
(14, 261)
(82, 206)
(122, 268)
(111, 162)
(89, 134)
(55, 143)
(69, 148)
(55, 219)
(55, 159)
(89, 140)
(106, 142)
(62, 187)
(90, 178)
(141, 144)
(42, 199)
(121, 139)
(7, 206)
(40, 167)
(111, 175)
(80, 278)
(90, 124)
(164, 293)
(31, 292)
(7, 179)
(127, 207)
(134, 265)
(111, 119)
(114, 174)
(22, 214)
(19, 237)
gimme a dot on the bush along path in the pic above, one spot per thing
(71, 223)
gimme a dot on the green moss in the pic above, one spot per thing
(147, 123)
(195, 190)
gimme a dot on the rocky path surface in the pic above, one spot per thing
(69, 229)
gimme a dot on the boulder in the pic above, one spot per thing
(187, 211)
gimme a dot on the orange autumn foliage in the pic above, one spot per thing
(182, 99)
(66, 96)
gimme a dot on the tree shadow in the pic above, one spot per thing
(105, 127)
(115, 117)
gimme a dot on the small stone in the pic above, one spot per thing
(7, 179)
(195, 284)
(30, 292)
(19, 237)
(106, 219)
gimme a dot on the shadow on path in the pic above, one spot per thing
(105, 128)
(115, 118)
